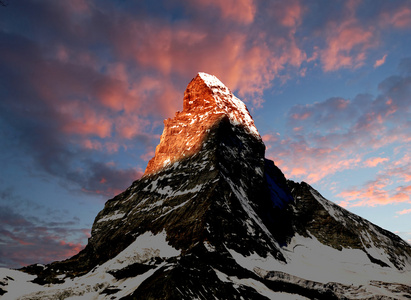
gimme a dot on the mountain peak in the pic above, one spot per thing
(223, 223)
(206, 101)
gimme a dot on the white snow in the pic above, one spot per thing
(172, 209)
(195, 189)
(145, 247)
(90, 286)
(153, 205)
(116, 215)
(333, 210)
(242, 196)
(223, 96)
(166, 190)
(166, 162)
(366, 239)
(258, 286)
(209, 246)
(307, 258)
(19, 284)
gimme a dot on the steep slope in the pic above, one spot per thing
(336, 227)
(206, 101)
(213, 219)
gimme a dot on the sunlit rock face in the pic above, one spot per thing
(214, 219)
(206, 101)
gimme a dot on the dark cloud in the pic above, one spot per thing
(37, 96)
(27, 239)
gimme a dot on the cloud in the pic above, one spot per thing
(341, 134)
(271, 138)
(27, 239)
(95, 80)
(66, 114)
(344, 34)
(242, 11)
(374, 193)
(404, 211)
(338, 53)
(397, 16)
(374, 161)
(390, 186)
(346, 43)
(380, 62)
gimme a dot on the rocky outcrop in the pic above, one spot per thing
(206, 101)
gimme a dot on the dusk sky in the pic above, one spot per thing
(85, 86)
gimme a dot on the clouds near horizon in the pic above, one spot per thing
(28, 239)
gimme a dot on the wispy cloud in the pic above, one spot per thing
(374, 161)
(27, 240)
(340, 134)
(380, 62)
(404, 211)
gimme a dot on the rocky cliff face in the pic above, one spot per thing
(206, 101)
(213, 219)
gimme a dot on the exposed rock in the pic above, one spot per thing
(206, 101)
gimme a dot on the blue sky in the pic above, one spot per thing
(85, 86)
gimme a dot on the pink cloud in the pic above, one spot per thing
(301, 116)
(297, 172)
(374, 161)
(328, 137)
(242, 11)
(70, 249)
(299, 161)
(402, 18)
(130, 125)
(347, 40)
(245, 62)
(288, 14)
(372, 194)
(84, 120)
(291, 14)
(380, 62)
(346, 47)
(92, 144)
(401, 168)
(270, 137)
(148, 155)
(105, 100)
(113, 94)
(38, 241)
(399, 18)
(404, 212)
(377, 192)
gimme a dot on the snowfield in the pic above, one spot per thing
(90, 286)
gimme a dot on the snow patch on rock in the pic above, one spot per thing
(308, 259)
(230, 104)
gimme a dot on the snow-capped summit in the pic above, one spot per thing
(206, 101)
(221, 222)
(230, 104)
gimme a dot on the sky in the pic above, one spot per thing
(85, 86)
